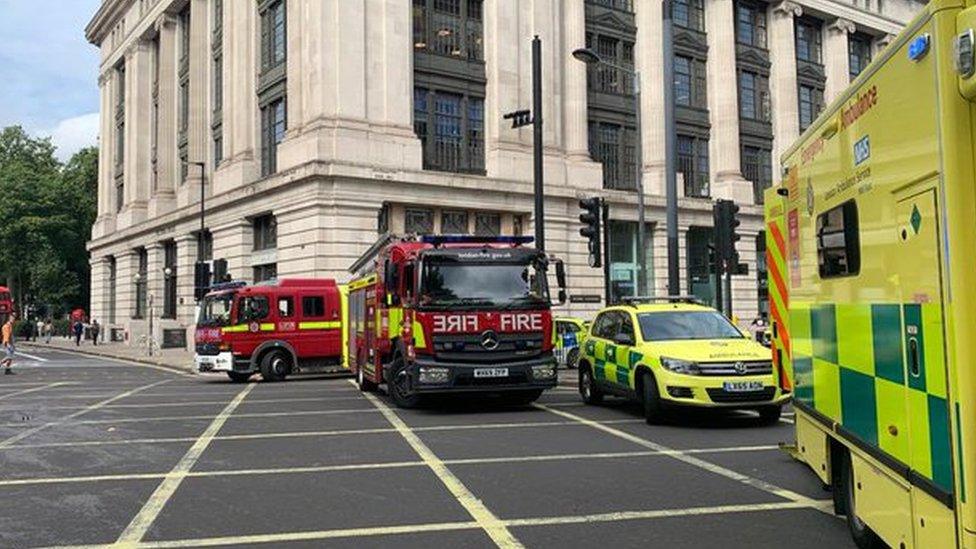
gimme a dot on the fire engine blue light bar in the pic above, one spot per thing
(437, 240)
(228, 285)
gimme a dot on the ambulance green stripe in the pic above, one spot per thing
(886, 333)
(939, 443)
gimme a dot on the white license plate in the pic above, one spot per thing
(742, 386)
(491, 372)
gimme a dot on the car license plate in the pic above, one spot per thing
(490, 372)
(742, 386)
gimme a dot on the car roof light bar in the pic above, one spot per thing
(632, 301)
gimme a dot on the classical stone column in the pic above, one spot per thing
(234, 242)
(105, 221)
(138, 131)
(240, 111)
(126, 267)
(575, 125)
(198, 130)
(99, 305)
(650, 63)
(155, 263)
(836, 57)
(782, 80)
(186, 257)
(164, 194)
(723, 104)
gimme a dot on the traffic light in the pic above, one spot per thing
(201, 279)
(726, 231)
(220, 271)
(591, 227)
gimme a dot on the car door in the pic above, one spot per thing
(620, 353)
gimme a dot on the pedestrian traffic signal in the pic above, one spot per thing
(727, 222)
(592, 208)
(201, 279)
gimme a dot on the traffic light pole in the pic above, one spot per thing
(607, 286)
(540, 228)
(670, 143)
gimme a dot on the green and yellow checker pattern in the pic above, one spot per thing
(613, 363)
(879, 370)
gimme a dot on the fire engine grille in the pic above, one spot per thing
(764, 367)
(468, 348)
(207, 349)
(724, 397)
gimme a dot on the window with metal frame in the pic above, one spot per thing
(451, 127)
(811, 102)
(757, 167)
(487, 224)
(169, 279)
(859, 51)
(692, 162)
(272, 81)
(750, 28)
(217, 69)
(809, 40)
(449, 28)
(264, 273)
(418, 221)
(265, 232)
(454, 222)
(754, 96)
(689, 14)
(838, 241)
(142, 283)
(183, 78)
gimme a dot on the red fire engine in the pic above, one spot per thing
(451, 314)
(289, 327)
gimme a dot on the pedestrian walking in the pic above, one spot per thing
(78, 328)
(48, 330)
(40, 329)
(95, 328)
(8, 344)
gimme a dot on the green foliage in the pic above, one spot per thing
(46, 214)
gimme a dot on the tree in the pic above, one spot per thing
(46, 213)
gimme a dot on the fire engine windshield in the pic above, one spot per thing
(465, 283)
(215, 310)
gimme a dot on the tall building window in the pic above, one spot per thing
(750, 27)
(169, 279)
(692, 163)
(690, 82)
(754, 103)
(265, 232)
(217, 67)
(264, 273)
(689, 14)
(859, 48)
(450, 84)
(606, 79)
(154, 154)
(272, 84)
(142, 283)
(614, 147)
(119, 136)
(811, 103)
(183, 75)
(757, 166)
(809, 41)
(449, 28)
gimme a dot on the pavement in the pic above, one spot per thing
(97, 452)
(177, 359)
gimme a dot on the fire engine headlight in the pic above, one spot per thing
(544, 371)
(435, 375)
(678, 366)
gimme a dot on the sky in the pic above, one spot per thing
(49, 72)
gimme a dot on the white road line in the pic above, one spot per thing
(33, 390)
(137, 529)
(32, 357)
(307, 434)
(690, 460)
(375, 531)
(24, 434)
(376, 466)
(474, 506)
(126, 420)
(206, 403)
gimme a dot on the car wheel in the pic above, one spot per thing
(239, 377)
(275, 366)
(863, 536)
(572, 358)
(365, 385)
(651, 399)
(769, 415)
(588, 389)
(399, 385)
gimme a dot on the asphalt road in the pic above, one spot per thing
(97, 452)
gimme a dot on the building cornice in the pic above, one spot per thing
(104, 20)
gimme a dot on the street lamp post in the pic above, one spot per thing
(590, 57)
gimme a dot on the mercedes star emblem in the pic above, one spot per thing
(489, 340)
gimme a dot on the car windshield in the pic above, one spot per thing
(677, 325)
(453, 283)
(215, 310)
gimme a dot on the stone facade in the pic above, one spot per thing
(350, 163)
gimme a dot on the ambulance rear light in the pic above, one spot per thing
(963, 48)
(440, 240)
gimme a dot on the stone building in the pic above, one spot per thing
(312, 126)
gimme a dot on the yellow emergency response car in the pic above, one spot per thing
(871, 247)
(670, 352)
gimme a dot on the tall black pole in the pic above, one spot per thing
(607, 283)
(540, 229)
(671, 178)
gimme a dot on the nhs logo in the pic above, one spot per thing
(862, 150)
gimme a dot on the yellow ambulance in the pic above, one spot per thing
(872, 260)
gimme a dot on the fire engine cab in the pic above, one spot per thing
(288, 327)
(453, 314)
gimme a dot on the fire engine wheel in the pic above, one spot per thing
(399, 385)
(863, 536)
(588, 390)
(275, 366)
(365, 385)
(572, 358)
(239, 377)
